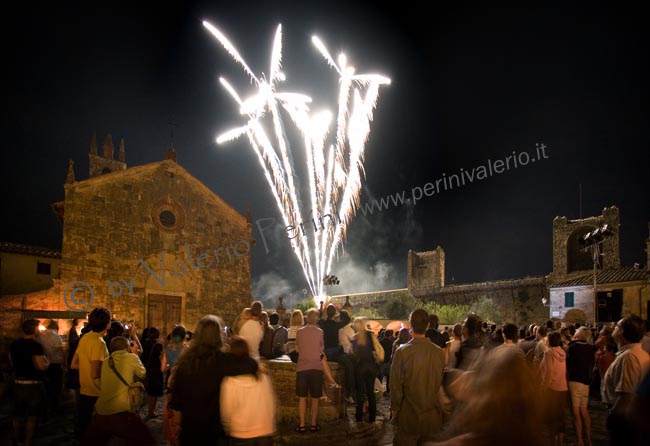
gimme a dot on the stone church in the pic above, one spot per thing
(151, 243)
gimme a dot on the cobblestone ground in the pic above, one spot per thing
(57, 430)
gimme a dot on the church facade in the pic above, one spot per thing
(151, 243)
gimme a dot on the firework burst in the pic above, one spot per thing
(334, 171)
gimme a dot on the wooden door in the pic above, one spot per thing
(163, 313)
(610, 305)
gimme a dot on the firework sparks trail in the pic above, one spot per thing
(334, 179)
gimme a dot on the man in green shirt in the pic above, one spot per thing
(416, 377)
(112, 417)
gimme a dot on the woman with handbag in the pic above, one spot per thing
(369, 352)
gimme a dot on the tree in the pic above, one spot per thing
(400, 306)
(429, 307)
(452, 314)
(370, 313)
(487, 310)
(447, 314)
(306, 305)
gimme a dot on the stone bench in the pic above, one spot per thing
(283, 375)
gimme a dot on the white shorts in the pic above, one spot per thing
(579, 394)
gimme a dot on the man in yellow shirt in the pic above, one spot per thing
(88, 359)
(112, 417)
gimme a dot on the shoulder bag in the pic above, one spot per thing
(136, 389)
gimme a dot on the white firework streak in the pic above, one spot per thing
(255, 107)
(333, 188)
(231, 49)
(358, 129)
(276, 58)
(279, 131)
(268, 160)
(254, 130)
(315, 158)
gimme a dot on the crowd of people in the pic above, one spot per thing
(469, 384)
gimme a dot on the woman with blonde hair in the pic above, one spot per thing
(296, 322)
(365, 348)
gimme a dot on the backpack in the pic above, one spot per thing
(266, 345)
(278, 345)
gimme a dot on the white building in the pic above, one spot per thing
(619, 292)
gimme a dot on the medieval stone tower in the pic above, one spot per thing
(425, 271)
(569, 259)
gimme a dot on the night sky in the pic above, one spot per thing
(469, 84)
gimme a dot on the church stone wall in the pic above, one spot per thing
(155, 230)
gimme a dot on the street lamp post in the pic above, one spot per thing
(593, 241)
(595, 256)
